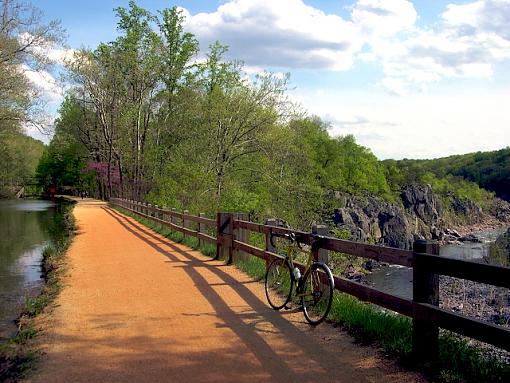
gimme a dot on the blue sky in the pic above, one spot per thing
(409, 79)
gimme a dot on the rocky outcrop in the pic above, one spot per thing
(372, 219)
(471, 212)
(500, 209)
(418, 215)
(421, 202)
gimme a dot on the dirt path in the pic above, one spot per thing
(139, 308)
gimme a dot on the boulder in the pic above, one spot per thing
(500, 209)
(467, 208)
(469, 238)
(420, 201)
(371, 219)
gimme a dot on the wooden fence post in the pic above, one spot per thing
(322, 255)
(269, 245)
(224, 235)
(201, 229)
(185, 221)
(173, 218)
(242, 236)
(425, 290)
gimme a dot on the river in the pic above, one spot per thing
(398, 280)
(26, 228)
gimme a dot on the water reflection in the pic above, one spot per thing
(26, 227)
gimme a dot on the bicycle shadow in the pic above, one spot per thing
(257, 325)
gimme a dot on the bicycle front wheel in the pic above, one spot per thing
(317, 293)
(279, 283)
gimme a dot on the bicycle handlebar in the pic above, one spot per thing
(293, 239)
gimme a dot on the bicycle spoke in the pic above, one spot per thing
(317, 294)
(278, 284)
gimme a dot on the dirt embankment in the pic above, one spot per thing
(138, 308)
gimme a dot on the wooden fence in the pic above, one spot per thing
(427, 265)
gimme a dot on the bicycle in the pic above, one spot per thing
(314, 287)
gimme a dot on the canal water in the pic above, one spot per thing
(26, 228)
(398, 280)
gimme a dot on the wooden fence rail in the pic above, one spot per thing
(424, 259)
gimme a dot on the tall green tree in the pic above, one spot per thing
(24, 38)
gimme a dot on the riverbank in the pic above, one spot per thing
(17, 355)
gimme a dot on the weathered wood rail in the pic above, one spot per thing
(427, 265)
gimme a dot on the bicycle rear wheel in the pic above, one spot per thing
(279, 283)
(317, 293)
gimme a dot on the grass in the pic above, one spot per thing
(458, 361)
(16, 355)
(206, 249)
(252, 266)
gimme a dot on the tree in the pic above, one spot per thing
(24, 41)
(237, 112)
(64, 161)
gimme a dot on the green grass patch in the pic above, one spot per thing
(253, 266)
(368, 324)
(207, 249)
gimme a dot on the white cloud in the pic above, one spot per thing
(284, 33)
(465, 44)
(468, 42)
(45, 83)
(47, 89)
(384, 17)
(55, 53)
(421, 125)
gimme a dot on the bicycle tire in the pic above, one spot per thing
(317, 290)
(278, 283)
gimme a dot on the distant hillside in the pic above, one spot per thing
(490, 170)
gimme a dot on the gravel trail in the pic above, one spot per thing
(137, 307)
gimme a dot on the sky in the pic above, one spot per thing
(409, 79)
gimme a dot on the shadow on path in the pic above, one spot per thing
(244, 324)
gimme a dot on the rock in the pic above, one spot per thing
(437, 233)
(369, 265)
(372, 219)
(500, 209)
(420, 200)
(470, 238)
(395, 229)
(452, 233)
(472, 212)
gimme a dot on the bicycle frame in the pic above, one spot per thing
(310, 286)
(292, 250)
